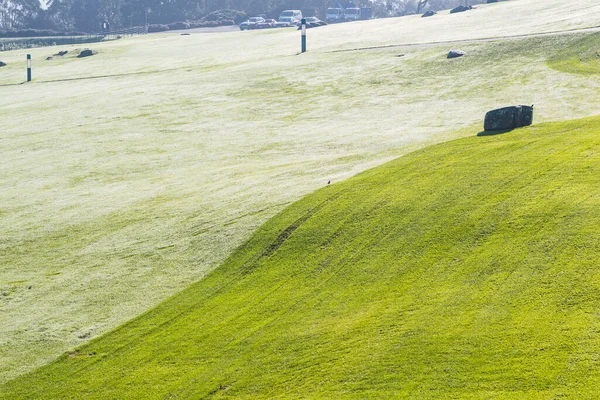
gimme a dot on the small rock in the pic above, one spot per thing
(460, 9)
(61, 53)
(48, 58)
(456, 54)
(86, 53)
(428, 14)
(2, 64)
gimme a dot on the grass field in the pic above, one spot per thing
(132, 174)
(465, 270)
(581, 57)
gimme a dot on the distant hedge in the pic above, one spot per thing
(227, 15)
(30, 33)
(189, 25)
(158, 28)
(178, 25)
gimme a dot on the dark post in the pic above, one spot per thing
(28, 67)
(303, 35)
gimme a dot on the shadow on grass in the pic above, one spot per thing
(494, 133)
(11, 84)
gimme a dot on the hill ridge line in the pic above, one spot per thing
(478, 40)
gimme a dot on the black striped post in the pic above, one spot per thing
(28, 67)
(303, 22)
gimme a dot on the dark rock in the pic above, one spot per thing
(508, 118)
(61, 53)
(48, 58)
(456, 54)
(460, 9)
(428, 14)
(2, 64)
(86, 53)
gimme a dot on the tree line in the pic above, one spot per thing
(89, 15)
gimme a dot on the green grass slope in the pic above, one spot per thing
(581, 57)
(465, 270)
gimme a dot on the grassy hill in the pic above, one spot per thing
(580, 57)
(131, 174)
(465, 270)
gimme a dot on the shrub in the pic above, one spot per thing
(230, 15)
(157, 28)
(36, 33)
(178, 25)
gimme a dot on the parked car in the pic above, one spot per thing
(334, 15)
(266, 24)
(251, 23)
(352, 14)
(285, 22)
(313, 22)
(295, 15)
(366, 13)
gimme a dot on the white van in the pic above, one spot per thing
(294, 15)
(334, 15)
(352, 14)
